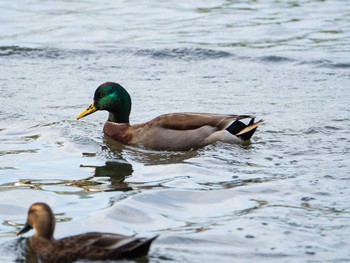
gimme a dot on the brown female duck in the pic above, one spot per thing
(91, 246)
(174, 131)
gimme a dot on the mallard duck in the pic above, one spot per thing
(174, 131)
(91, 246)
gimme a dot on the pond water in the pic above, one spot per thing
(283, 198)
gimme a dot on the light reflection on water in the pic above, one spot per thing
(281, 198)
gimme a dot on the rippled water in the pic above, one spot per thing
(284, 198)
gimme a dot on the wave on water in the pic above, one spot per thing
(184, 54)
(324, 63)
(197, 54)
(15, 50)
(50, 53)
(274, 59)
(320, 63)
(167, 53)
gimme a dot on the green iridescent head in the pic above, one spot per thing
(113, 98)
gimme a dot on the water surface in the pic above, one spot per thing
(283, 198)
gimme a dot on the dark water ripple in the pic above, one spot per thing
(185, 54)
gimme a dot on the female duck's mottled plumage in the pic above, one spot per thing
(174, 131)
(91, 246)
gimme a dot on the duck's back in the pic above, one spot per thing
(91, 246)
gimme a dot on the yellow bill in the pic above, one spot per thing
(88, 111)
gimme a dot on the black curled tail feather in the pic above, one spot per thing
(246, 136)
(242, 130)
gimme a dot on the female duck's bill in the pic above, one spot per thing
(90, 246)
(173, 131)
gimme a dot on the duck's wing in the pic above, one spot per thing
(106, 246)
(242, 126)
(190, 121)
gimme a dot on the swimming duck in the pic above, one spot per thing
(91, 246)
(174, 131)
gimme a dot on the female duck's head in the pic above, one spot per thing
(41, 218)
(113, 98)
